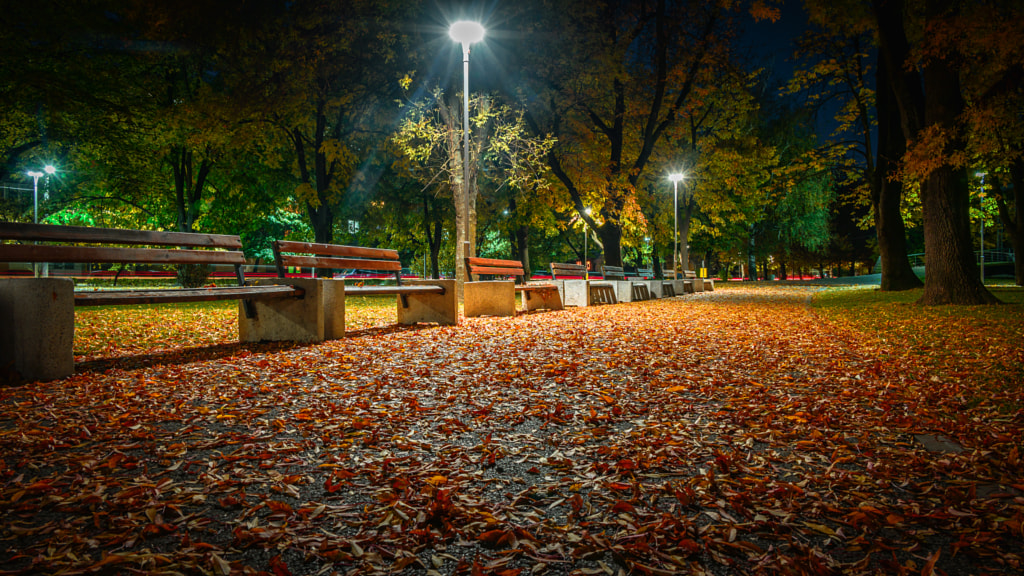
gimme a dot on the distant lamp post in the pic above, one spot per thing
(466, 32)
(981, 202)
(36, 175)
(586, 233)
(675, 178)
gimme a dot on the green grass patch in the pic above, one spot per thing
(979, 345)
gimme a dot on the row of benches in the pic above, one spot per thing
(569, 286)
(37, 314)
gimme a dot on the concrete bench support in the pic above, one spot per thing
(37, 327)
(434, 308)
(542, 300)
(489, 298)
(318, 316)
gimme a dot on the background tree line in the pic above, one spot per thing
(341, 122)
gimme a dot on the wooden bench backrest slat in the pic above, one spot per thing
(341, 263)
(564, 269)
(645, 272)
(494, 267)
(613, 273)
(106, 255)
(335, 250)
(494, 262)
(496, 271)
(85, 234)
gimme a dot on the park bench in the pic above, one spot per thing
(37, 314)
(658, 288)
(697, 284)
(426, 300)
(626, 290)
(577, 290)
(497, 297)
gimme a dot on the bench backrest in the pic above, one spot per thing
(563, 269)
(64, 246)
(613, 272)
(689, 274)
(494, 267)
(334, 256)
(645, 272)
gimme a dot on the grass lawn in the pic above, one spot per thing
(983, 344)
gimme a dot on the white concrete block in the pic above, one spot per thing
(37, 327)
(489, 298)
(434, 308)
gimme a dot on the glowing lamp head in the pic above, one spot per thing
(676, 177)
(50, 169)
(466, 32)
(35, 174)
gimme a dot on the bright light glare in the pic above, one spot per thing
(50, 169)
(587, 211)
(35, 174)
(466, 31)
(676, 177)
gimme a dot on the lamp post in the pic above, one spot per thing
(675, 178)
(981, 202)
(466, 32)
(36, 175)
(586, 233)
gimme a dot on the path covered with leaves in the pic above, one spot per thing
(731, 432)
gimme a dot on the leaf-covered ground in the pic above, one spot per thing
(733, 432)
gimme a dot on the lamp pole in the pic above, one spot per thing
(675, 178)
(466, 33)
(981, 202)
(36, 175)
(586, 233)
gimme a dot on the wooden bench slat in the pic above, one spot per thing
(107, 255)
(496, 271)
(340, 263)
(85, 234)
(494, 262)
(393, 290)
(158, 296)
(535, 287)
(336, 250)
(565, 269)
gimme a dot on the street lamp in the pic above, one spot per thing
(586, 233)
(675, 178)
(981, 202)
(36, 175)
(466, 32)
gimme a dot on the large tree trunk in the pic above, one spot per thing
(887, 195)
(611, 241)
(951, 275)
(951, 272)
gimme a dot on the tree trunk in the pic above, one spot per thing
(1014, 223)
(752, 256)
(611, 243)
(522, 234)
(951, 272)
(951, 275)
(688, 207)
(435, 250)
(887, 195)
